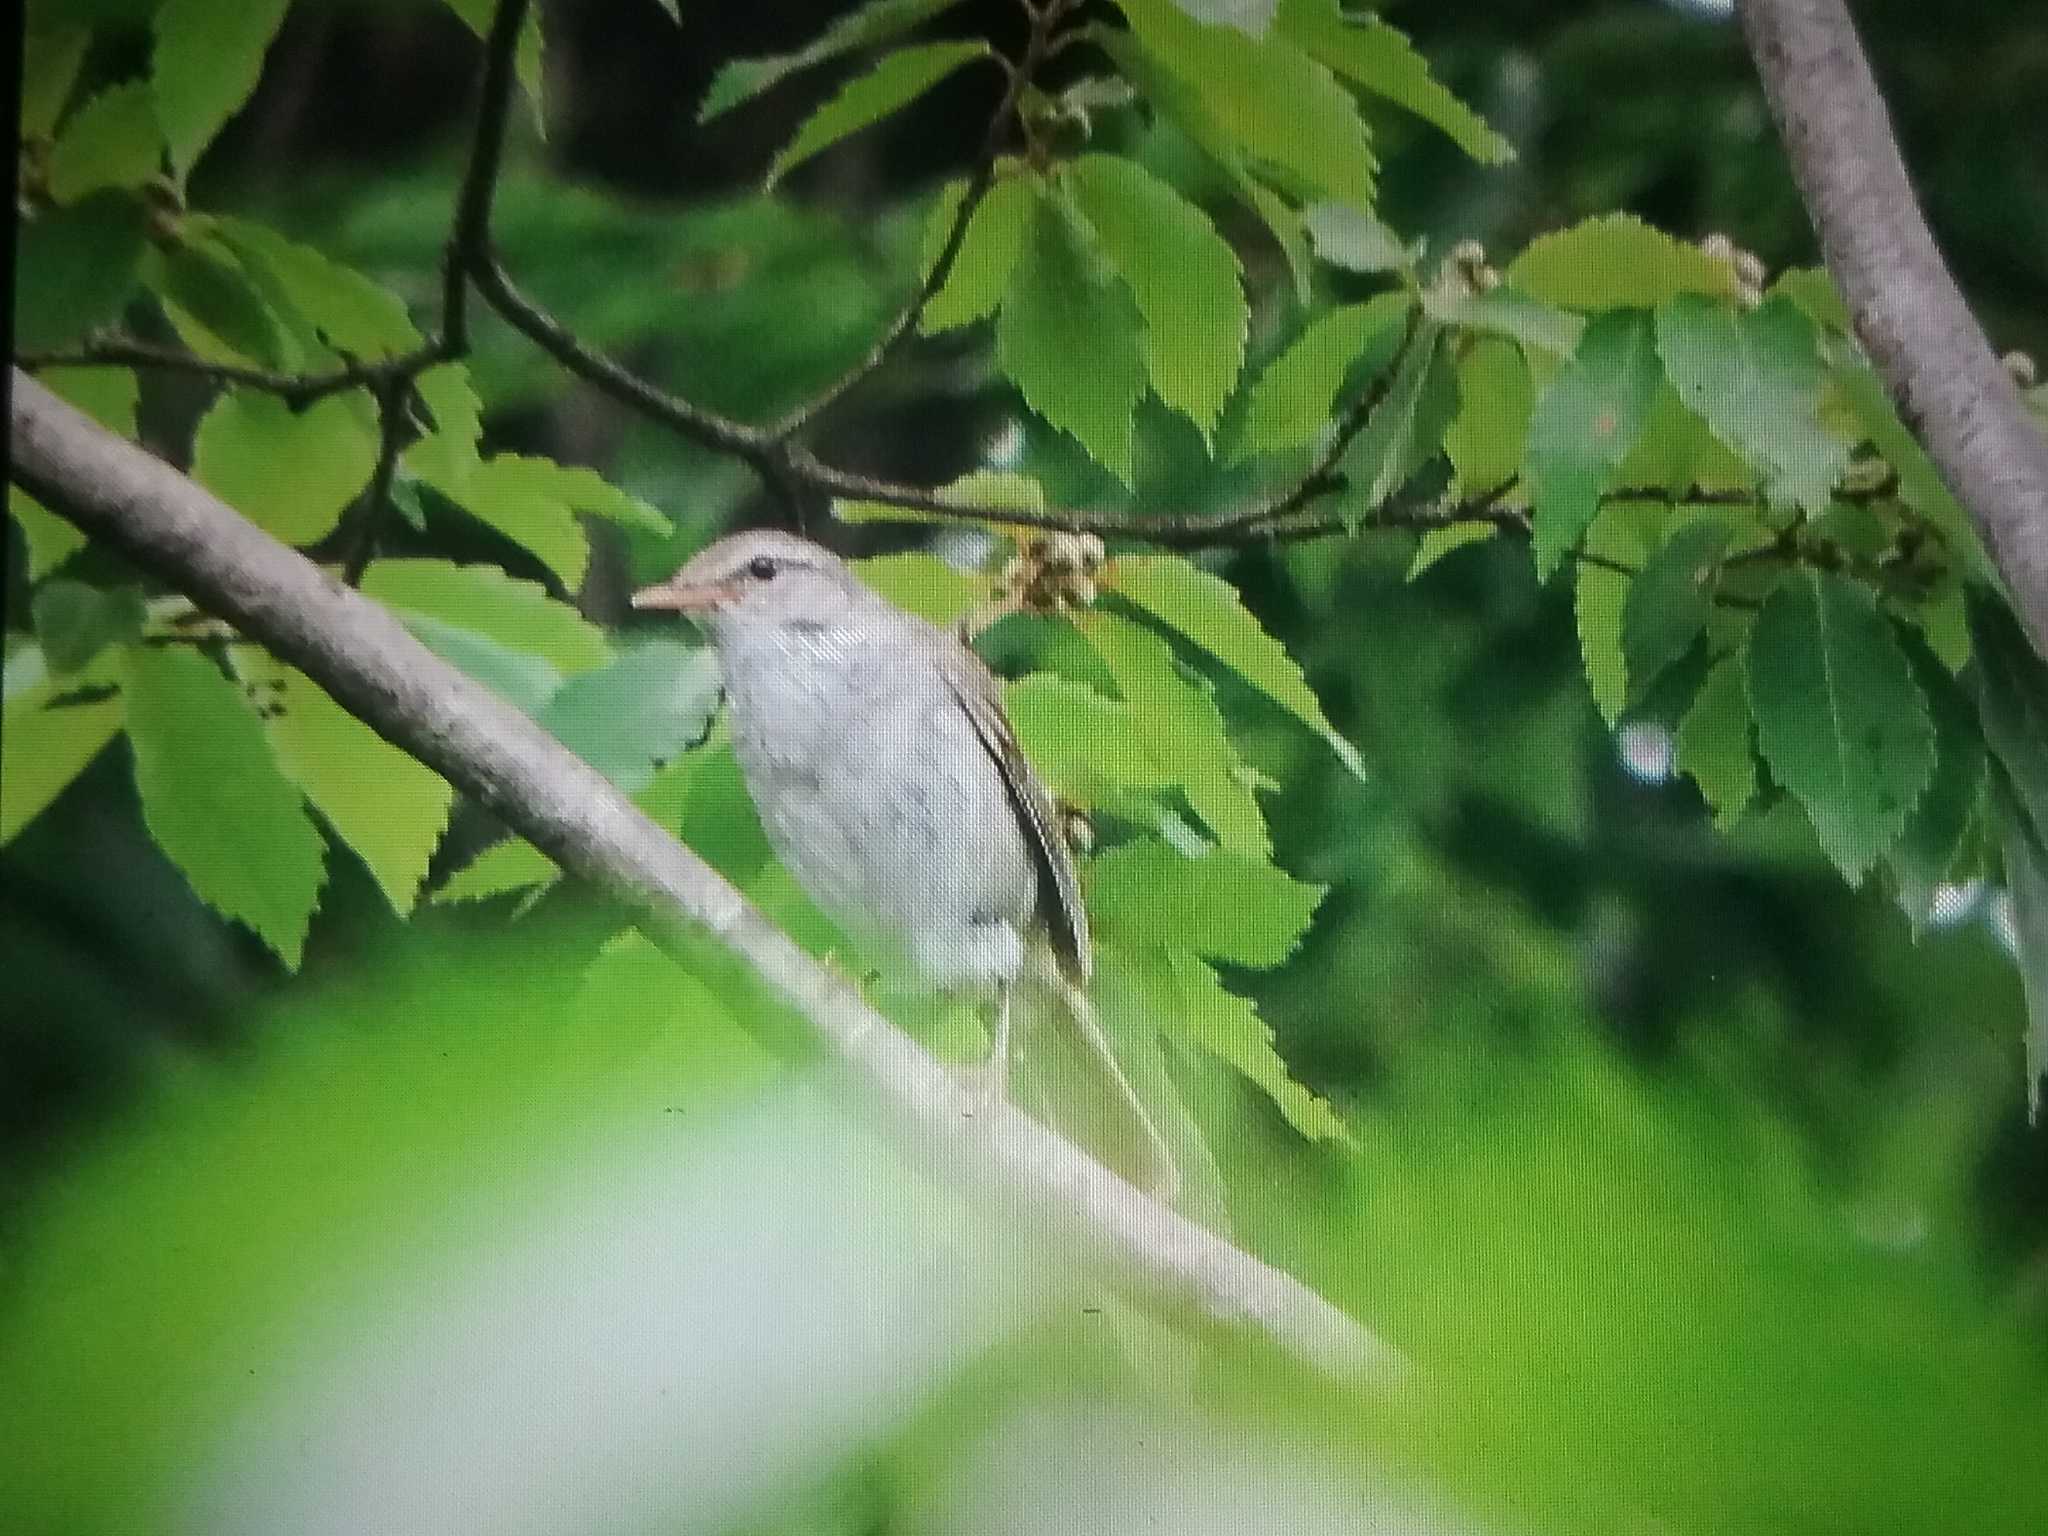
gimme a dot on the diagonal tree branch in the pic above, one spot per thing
(1907, 311)
(133, 502)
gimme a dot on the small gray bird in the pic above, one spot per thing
(889, 781)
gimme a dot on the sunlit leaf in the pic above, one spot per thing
(349, 311)
(1487, 438)
(1295, 395)
(436, 596)
(51, 729)
(1083, 742)
(1617, 260)
(740, 80)
(926, 585)
(292, 473)
(1599, 599)
(75, 621)
(1355, 240)
(1505, 311)
(988, 250)
(111, 141)
(896, 81)
(215, 306)
(1583, 427)
(634, 715)
(1224, 905)
(1438, 542)
(204, 67)
(513, 865)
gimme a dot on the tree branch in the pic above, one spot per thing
(133, 502)
(1907, 311)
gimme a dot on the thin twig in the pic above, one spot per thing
(296, 389)
(371, 511)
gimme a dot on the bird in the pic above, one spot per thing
(891, 785)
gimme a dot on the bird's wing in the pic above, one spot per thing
(1059, 892)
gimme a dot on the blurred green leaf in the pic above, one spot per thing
(1616, 260)
(1925, 855)
(526, 56)
(1668, 602)
(925, 585)
(1355, 240)
(51, 53)
(2012, 701)
(111, 141)
(51, 730)
(1369, 53)
(213, 305)
(215, 800)
(1406, 428)
(1486, 439)
(483, 601)
(1294, 395)
(1713, 744)
(292, 473)
(1448, 539)
(1920, 483)
(207, 58)
(877, 21)
(1068, 338)
(75, 621)
(1183, 275)
(638, 712)
(1755, 377)
(988, 249)
(1600, 597)
(1225, 905)
(1583, 427)
(1839, 717)
(75, 268)
(341, 307)
(2026, 874)
(896, 81)
(1083, 743)
(1208, 611)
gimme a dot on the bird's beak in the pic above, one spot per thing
(687, 597)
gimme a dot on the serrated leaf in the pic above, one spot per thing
(215, 307)
(1178, 724)
(987, 492)
(1486, 439)
(526, 54)
(1599, 598)
(448, 452)
(51, 729)
(1920, 484)
(2011, 685)
(292, 473)
(1926, 851)
(1271, 99)
(1503, 311)
(1294, 396)
(1369, 53)
(75, 268)
(1082, 742)
(2026, 878)
(521, 502)
(1068, 338)
(1229, 1028)
(925, 585)
(1584, 425)
(1438, 542)
(1814, 292)
(74, 621)
(639, 712)
(1617, 260)
(208, 56)
(343, 308)
(1677, 452)
(1208, 611)
(51, 53)
(1406, 429)
(388, 807)
(1669, 601)
(1355, 240)
(878, 21)
(1224, 905)
(1755, 378)
(988, 250)
(111, 141)
(1713, 743)
(1839, 717)
(1183, 275)
(215, 799)
(896, 81)
(512, 865)
(482, 600)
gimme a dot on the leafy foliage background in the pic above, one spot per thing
(1618, 1120)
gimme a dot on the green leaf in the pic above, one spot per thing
(988, 250)
(74, 622)
(51, 729)
(1584, 426)
(292, 473)
(522, 500)
(896, 81)
(1080, 740)
(1068, 338)
(51, 53)
(925, 585)
(344, 309)
(1713, 743)
(208, 56)
(483, 601)
(2012, 700)
(633, 716)
(1503, 311)
(51, 540)
(1269, 98)
(1814, 292)
(75, 268)
(1839, 717)
(1438, 542)
(575, 486)
(1406, 429)
(1228, 1027)
(1208, 611)
(1369, 53)
(1669, 601)
(1179, 726)
(215, 800)
(388, 807)
(1184, 276)
(111, 141)
(214, 306)
(526, 56)
(1496, 395)
(877, 21)
(2026, 877)
(1755, 378)
(1355, 240)
(1926, 851)
(1677, 451)
(989, 492)
(1617, 260)
(512, 865)
(1920, 483)
(1600, 599)
(1295, 394)
(1224, 905)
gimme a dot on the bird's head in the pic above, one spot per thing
(760, 577)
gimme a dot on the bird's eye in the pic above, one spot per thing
(761, 568)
